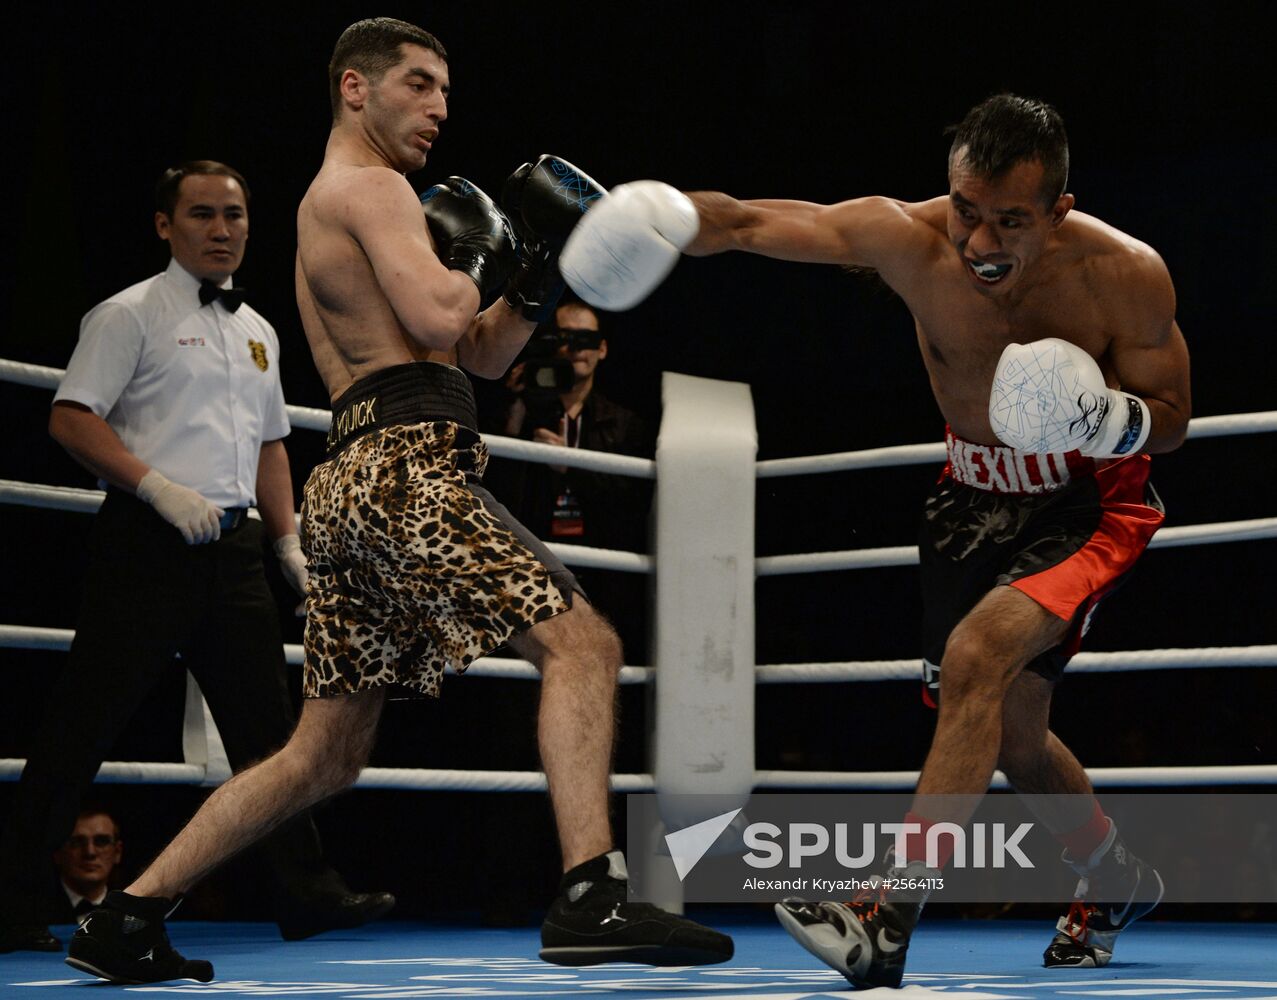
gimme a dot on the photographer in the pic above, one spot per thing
(556, 402)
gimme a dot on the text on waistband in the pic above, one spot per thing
(1006, 470)
(354, 417)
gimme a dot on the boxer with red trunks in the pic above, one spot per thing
(1061, 528)
(1053, 352)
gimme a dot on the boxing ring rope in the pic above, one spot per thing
(82, 500)
(919, 454)
(906, 555)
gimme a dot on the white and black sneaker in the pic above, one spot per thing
(1086, 934)
(124, 941)
(592, 921)
(867, 939)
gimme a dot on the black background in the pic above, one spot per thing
(1170, 117)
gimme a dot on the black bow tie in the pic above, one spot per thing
(84, 906)
(232, 298)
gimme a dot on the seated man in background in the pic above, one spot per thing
(85, 864)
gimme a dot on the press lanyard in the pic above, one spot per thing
(571, 427)
(567, 520)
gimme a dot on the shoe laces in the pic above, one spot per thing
(1079, 917)
(865, 903)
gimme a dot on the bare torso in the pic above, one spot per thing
(350, 325)
(1080, 293)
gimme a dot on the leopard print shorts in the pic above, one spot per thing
(413, 564)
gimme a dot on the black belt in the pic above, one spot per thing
(232, 518)
(419, 392)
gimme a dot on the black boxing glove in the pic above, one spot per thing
(544, 200)
(472, 235)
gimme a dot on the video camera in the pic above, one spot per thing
(547, 371)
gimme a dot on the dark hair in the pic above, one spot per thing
(1004, 130)
(570, 301)
(168, 187)
(98, 809)
(371, 47)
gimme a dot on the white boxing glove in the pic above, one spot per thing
(196, 518)
(627, 243)
(1050, 396)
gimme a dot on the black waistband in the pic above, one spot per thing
(403, 394)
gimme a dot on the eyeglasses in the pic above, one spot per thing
(580, 339)
(98, 840)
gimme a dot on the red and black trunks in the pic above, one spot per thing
(1061, 528)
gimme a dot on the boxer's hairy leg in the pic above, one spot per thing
(1050, 780)
(579, 656)
(326, 752)
(985, 654)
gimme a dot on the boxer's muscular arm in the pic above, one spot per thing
(90, 441)
(493, 340)
(868, 232)
(435, 305)
(1149, 356)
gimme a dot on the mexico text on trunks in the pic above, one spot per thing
(997, 468)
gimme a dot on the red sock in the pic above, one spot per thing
(1082, 842)
(916, 843)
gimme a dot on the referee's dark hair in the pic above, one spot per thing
(168, 187)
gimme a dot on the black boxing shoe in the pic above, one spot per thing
(1086, 935)
(592, 922)
(867, 939)
(124, 941)
(300, 918)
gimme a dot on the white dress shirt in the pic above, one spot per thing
(74, 897)
(191, 390)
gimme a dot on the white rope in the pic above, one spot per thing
(1101, 777)
(37, 376)
(1205, 657)
(35, 637)
(845, 461)
(1223, 531)
(312, 419)
(402, 778)
(50, 497)
(595, 558)
(578, 458)
(117, 772)
(824, 562)
(1233, 423)
(907, 555)
(442, 780)
(920, 454)
(88, 501)
(423, 780)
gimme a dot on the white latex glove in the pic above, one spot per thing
(293, 563)
(192, 515)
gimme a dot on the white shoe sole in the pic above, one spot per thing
(829, 946)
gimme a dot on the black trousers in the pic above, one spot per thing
(148, 596)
